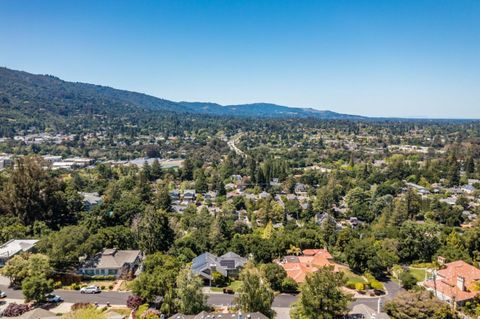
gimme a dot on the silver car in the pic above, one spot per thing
(90, 290)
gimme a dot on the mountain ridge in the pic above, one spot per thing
(49, 90)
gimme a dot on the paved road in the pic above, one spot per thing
(120, 298)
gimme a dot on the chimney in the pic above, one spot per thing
(441, 260)
(461, 283)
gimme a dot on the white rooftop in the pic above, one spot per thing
(15, 246)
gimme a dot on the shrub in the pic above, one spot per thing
(80, 305)
(359, 286)
(350, 285)
(103, 277)
(218, 279)
(377, 285)
(133, 301)
(408, 280)
(289, 285)
(15, 310)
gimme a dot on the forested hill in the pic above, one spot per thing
(23, 95)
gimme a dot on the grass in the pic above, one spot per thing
(419, 274)
(353, 278)
(234, 285)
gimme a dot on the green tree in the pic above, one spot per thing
(190, 298)
(201, 185)
(36, 288)
(154, 232)
(321, 296)
(275, 274)
(255, 293)
(162, 199)
(159, 274)
(418, 305)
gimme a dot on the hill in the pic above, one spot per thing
(49, 98)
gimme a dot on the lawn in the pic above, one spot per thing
(234, 285)
(419, 274)
(353, 278)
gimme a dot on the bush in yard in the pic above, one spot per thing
(359, 286)
(15, 310)
(80, 305)
(377, 285)
(133, 301)
(408, 280)
(219, 280)
(289, 285)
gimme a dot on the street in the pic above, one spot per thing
(214, 299)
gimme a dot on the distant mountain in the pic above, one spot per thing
(264, 110)
(23, 94)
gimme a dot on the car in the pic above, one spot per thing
(53, 298)
(3, 294)
(228, 291)
(90, 290)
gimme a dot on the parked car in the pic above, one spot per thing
(90, 290)
(228, 291)
(3, 294)
(53, 298)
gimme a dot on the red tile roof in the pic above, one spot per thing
(446, 281)
(297, 267)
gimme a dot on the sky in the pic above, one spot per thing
(377, 58)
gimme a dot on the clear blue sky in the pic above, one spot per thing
(380, 58)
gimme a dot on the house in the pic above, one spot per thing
(298, 267)
(228, 265)
(212, 195)
(189, 195)
(113, 262)
(455, 282)
(175, 195)
(211, 315)
(5, 161)
(91, 199)
(15, 246)
(300, 188)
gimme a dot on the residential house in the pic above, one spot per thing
(113, 262)
(189, 195)
(228, 265)
(455, 283)
(298, 267)
(91, 199)
(15, 246)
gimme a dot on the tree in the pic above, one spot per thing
(275, 274)
(153, 231)
(418, 305)
(201, 185)
(358, 202)
(36, 288)
(190, 298)
(321, 296)
(32, 194)
(162, 199)
(408, 280)
(255, 293)
(27, 265)
(159, 274)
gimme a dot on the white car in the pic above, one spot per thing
(53, 298)
(90, 290)
(3, 294)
